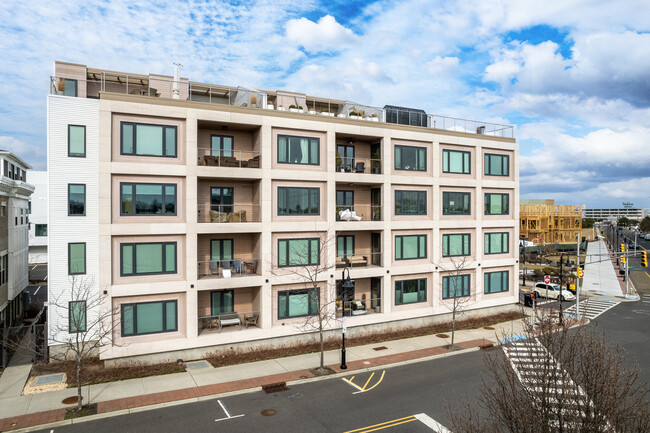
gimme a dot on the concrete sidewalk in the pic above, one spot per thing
(600, 275)
(15, 376)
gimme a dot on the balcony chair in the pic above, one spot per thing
(215, 269)
(251, 319)
(360, 167)
(237, 266)
(340, 262)
(251, 266)
(358, 261)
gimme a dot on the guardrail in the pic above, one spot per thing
(237, 267)
(228, 158)
(362, 212)
(229, 213)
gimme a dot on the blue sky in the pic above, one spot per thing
(572, 76)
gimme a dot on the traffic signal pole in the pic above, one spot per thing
(578, 278)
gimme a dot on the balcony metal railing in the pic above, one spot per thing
(228, 158)
(362, 212)
(235, 268)
(155, 86)
(358, 165)
(359, 259)
(229, 213)
(230, 320)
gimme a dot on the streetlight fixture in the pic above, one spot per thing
(347, 286)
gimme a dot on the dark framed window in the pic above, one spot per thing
(298, 303)
(221, 249)
(497, 243)
(70, 87)
(149, 199)
(222, 301)
(410, 247)
(76, 199)
(346, 153)
(410, 158)
(410, 291)
(77, 258)
(344, 200)
(496, 204)
(345, 246)
(496, 282)
(76, 316)
(455, 286)
(147, 258)
(298, 252)
(149, 318)
(456, 203)
(222, 199)
(143, 139)
(77, 141)
(40, 230)
(496, 165)
(455, 245)
(4, 268)
(298, 201)
(298, 150)
(456, 161)
(222, 145)
(410, 202)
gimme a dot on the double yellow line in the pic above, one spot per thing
(383, 425)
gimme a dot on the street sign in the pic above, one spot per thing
(547, 279)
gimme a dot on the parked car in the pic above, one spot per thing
(552, 291)
(632, 245)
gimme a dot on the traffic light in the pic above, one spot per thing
(622, 248)
(644, 259)
(579, 272)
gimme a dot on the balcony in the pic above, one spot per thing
(363, 299)
(228, 158)
(228, 255)
(361, 212)
(227, 200)
(363, 200)
(232, 268)
(229, 213)
(358, 155)
(358, 249)
(230, 310)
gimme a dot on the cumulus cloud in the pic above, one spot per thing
(325, 35)
(440, 66)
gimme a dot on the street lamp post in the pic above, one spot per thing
(560, 297)
(346, 286)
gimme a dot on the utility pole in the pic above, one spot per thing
(578, 277)
(560, 297)
(627, 275)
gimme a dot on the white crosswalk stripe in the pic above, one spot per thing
(591, 308)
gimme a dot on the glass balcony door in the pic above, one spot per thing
(222, 199)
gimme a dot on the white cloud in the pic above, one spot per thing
(326, 35)
(441, 66)
(33, 154)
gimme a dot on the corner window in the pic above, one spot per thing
(147, 258)
(141, 139)
(298, 201)
(298, 252)
(496, 165)
(496, 204)
(77, 141)
(40, 230)
(298, 150)
(454, 161)
(455, 286)
(410, 291)
(496, 243)
(76, 316)
(298, 303)
(147, 199)
(410, 247)
(77, 258)
(76, 199)
(456, 245)
(456, 203)
(495, 282)
(149, 318)
(410, 202)
(410, 158)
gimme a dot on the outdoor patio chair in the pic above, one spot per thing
(360, 167)
(251, 319)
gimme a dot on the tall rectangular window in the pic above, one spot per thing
(142, 139)
(298, 303)
(455, 161)
(497, 243)
(77, 141)
(496, 204)
(147, 258)
(222, 301)
(76, 199)
(455, 286)
(221, 145)
(298, 150)
(221, 249)
(77, 258)
(149, 199)
(496, 165)
(456, 245)
(346, 153)
(76, 316)
(298, 252)
(298, 201)
(344, 246)
(410, 291)
(456, 203)
(70, 87)
(40, 230)
(410, 158)
(410, 247)
(222, 199)
(149, 318)
(410, 202)
(495, 282)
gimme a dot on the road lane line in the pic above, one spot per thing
(228, 416)
(383, 425)
(353, 384)
(367, 381)
(431, 423)
(224, 408)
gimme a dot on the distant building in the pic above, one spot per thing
(14, 228)
(614, 214)
(38, 218)
(544, 222)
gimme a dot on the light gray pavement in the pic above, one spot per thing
(15, 376)
(600, 276)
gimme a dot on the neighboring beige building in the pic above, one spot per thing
(188, 203)
(544, 222)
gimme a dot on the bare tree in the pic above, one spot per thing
(82, 325)
(456, 300)
(557, 380)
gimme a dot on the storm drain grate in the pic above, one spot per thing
(380, 348)
(274, 387)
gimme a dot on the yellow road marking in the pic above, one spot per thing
(647, 274)
(383, 425)
(380, 379)
(366, 384)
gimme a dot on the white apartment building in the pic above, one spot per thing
(38, 218)
(14, 223)
(192, 206)
(614, 214)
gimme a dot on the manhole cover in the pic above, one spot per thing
(70, 400)
(268, 412)
(442, 335)
(380, 348)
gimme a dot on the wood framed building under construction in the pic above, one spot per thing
(544, 222)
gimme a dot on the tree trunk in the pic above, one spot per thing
(79, 403)
(322, 345)
(453, 325)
